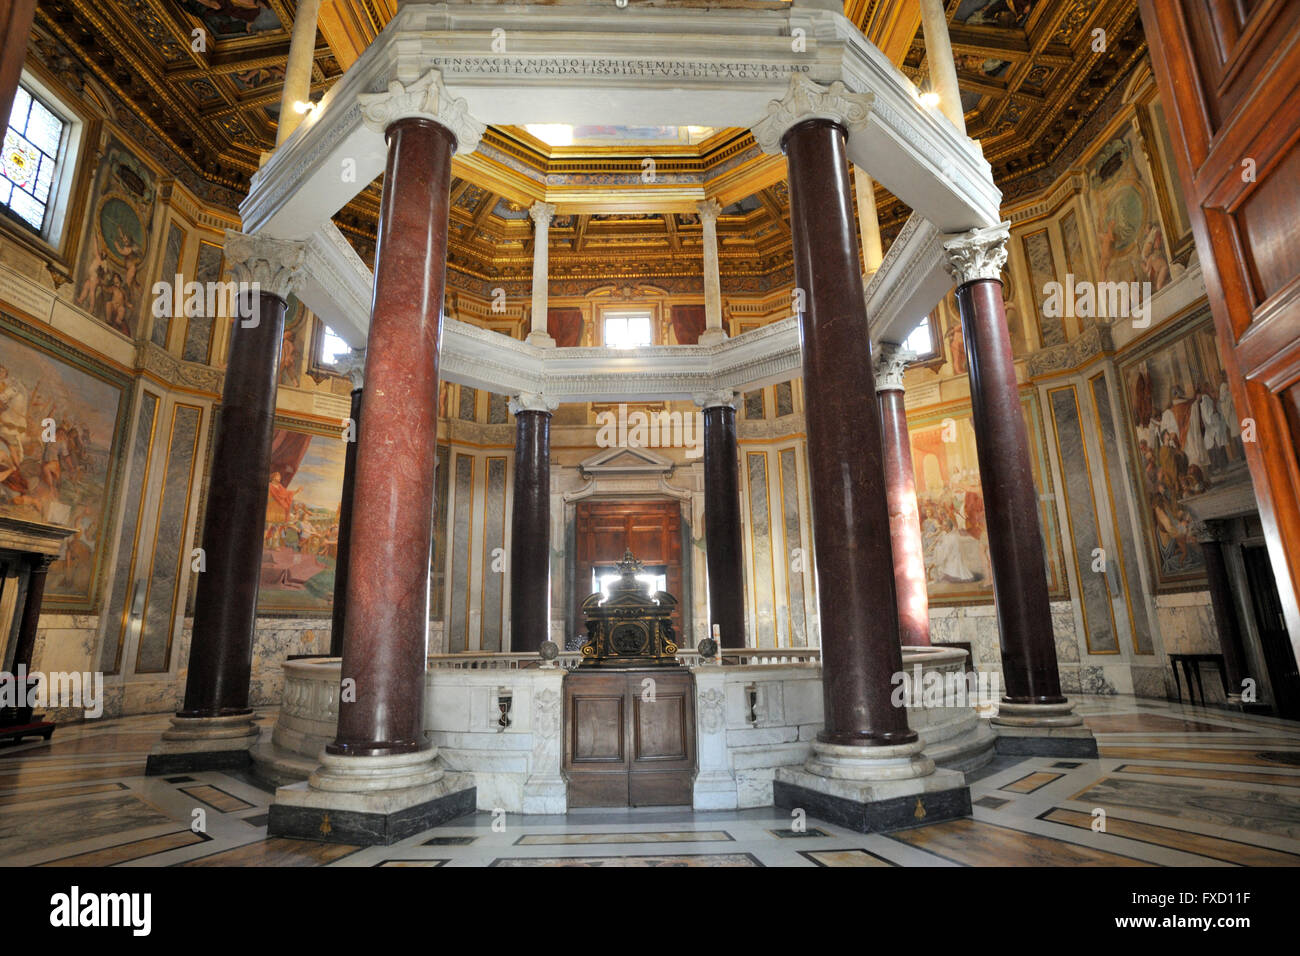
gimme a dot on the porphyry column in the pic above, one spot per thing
(713, 333)
(542, 213)
(867, 770)
(900, 491)
(353, 366)
(530, 524)
(214, 728)
(378, 781)
(1034, 718)
(724, 553)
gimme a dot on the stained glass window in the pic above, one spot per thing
(30, 158)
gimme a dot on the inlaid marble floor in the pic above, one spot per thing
(1176, 785)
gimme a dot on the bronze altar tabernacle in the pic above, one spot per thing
(629, 628)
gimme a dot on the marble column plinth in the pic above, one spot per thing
(869, 789)
(1042, 730)
(371, 800)
(204, 743)
(530, 538)
(855, 561)
(722, 543)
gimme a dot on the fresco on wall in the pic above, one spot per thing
(300, 546)
(1185, 435)
(58, 431)
(950, 500)
(1130, 243)
(297, 320)
(109, 284)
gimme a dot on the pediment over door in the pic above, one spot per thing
(626, 461)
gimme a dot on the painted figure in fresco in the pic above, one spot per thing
(279, 503)
(88, 295)
(1155, 264)
(956, 348)
(13, 417)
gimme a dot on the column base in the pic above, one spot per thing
(204, 743)
(542, 340)
(1042, 730)
(547, 795)
(712, 337)
(870, 789)
(371, 800)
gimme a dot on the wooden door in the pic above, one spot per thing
(628, 743)
(1229, 73)
(652, 529)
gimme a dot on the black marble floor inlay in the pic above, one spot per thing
(990, 803)
(450, 841)
(1066, 764)
(179, 779)
(810, 832)
(257, 821)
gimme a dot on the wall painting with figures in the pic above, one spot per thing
(110, 281)
(300, 547)
(950, 500)
(1185, 437)
(61, 419)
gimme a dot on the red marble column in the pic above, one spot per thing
(904, 518)
(341, 562)
(859, 614)
(530, 531)
(15, 30)
(225, 600)
(1011, 508)
(724, 553)
(385, 635)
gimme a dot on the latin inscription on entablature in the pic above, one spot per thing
(647, 67)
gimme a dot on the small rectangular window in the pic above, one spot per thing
(29, 166)
(628, 330)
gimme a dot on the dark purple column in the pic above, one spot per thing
(225, 602)
(530, 532)
(1225, 616)
(26, 644)
(1010, 500)
(341, 564)
(904, 522)
(723, 551)
(386, 632)
(855, 564)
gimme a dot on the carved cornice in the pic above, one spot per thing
(891, 362)
(809, 100)
(270, 264)
(168, 368)
(426, 98)
(1092, 343)
(978, 254)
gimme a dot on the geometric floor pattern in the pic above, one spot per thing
(1175, 785)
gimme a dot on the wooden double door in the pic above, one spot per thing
(629, 737)
(1229, 73)
(653, 532)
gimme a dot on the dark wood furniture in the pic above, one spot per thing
(1191, 664)
(1229, 75)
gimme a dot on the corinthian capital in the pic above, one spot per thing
(426, 98)
(709, 209)
(542, 212)
(978, 254)
(533, 402)
(890, 362)
(271, 264)
(808, 100)
(714, 399)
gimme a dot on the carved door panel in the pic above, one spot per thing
(652, 529)
(1229, 73)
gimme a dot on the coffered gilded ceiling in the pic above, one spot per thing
(1030, 72)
